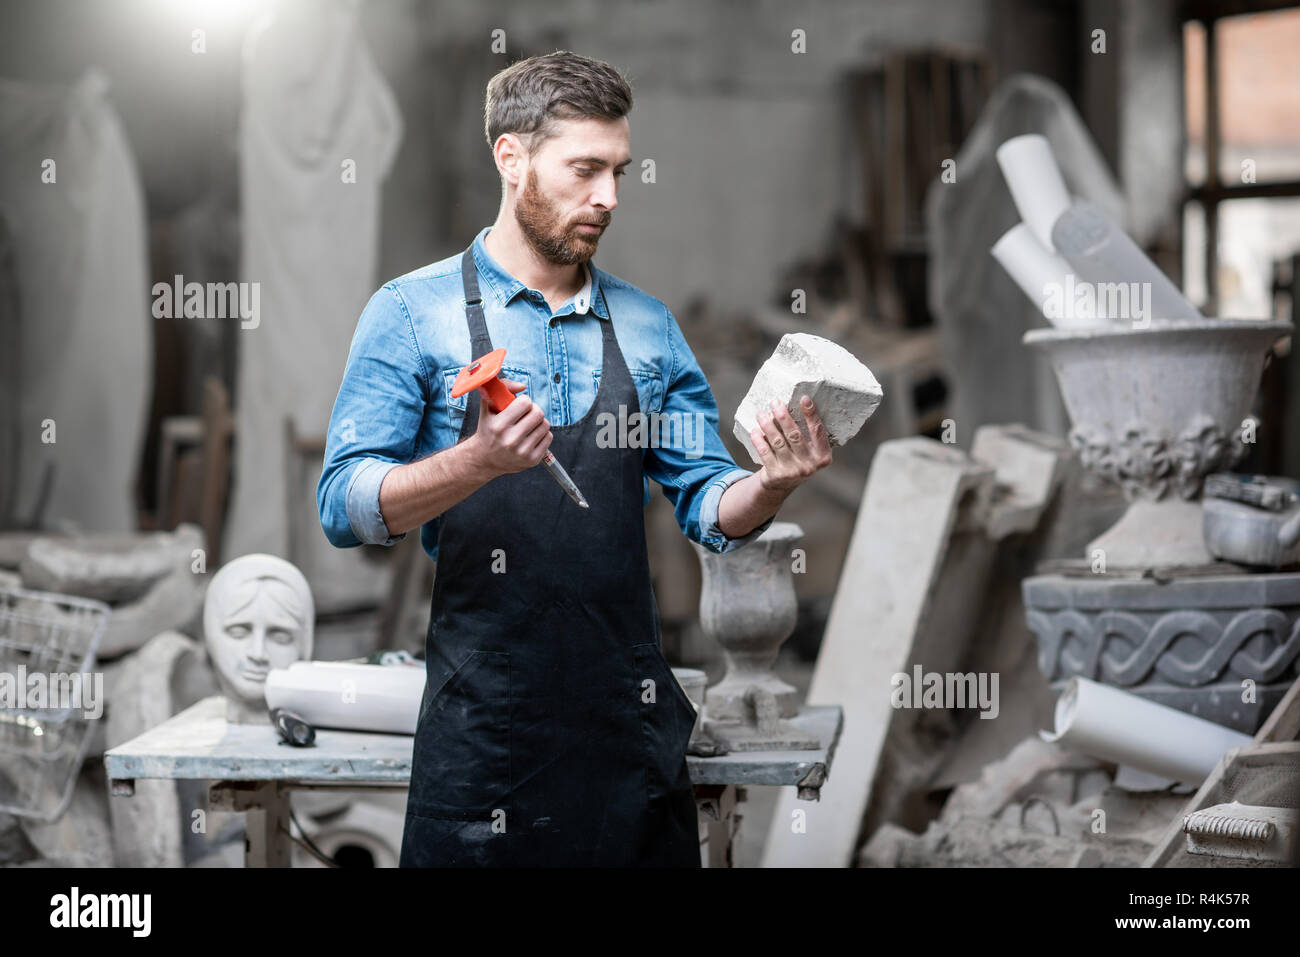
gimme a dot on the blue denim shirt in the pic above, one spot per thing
(394, 405)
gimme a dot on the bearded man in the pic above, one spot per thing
(552, 731)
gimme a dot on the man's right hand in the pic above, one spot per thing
(514, 439)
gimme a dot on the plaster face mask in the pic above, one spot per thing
(265, 633)
(258, 615)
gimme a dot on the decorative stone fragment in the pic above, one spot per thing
(366, 833)
(1243, 832)
(150, 579)
(111, 568)
(147, 828)
(842, 388)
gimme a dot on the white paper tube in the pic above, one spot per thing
(1037, 271)
(1035, 182)
(355, 697)
(1103, 254)
(1114, 725)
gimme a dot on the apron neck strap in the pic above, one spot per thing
(480, 342)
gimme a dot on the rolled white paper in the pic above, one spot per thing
(1113, 725)
(1101, 253)
(355, 697)
(1035, 182)
(1036, 270)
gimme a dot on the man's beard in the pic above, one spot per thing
(539, 220)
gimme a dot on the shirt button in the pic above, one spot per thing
(556, 377)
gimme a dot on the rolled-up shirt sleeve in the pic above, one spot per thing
(375, 424)
(362, 502)
(695, 468)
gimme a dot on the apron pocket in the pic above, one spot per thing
(461, 767)
(667, 718)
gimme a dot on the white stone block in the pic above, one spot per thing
(842, 388)
(888, 614)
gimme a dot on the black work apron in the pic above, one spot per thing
(551, 732)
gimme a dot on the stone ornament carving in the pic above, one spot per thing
(1224, 647)
(258, 615)
(1150, 466)
(1187, 648)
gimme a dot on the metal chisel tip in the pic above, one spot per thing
(562, 477)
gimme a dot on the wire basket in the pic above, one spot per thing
(45, 640)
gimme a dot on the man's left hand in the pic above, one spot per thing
(789, 456)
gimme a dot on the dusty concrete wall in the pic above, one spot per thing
(752, 152)
(752, 148)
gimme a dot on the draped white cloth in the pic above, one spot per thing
(319, 132)
(78, 317)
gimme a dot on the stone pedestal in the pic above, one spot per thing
(1164, 534)
(1223, 647)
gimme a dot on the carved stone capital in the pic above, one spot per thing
(1151, 465)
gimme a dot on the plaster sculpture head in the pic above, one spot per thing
(258, 615)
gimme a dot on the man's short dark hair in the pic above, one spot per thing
(526, 98)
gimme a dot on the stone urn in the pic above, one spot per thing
(748, 605)
(1155, 409)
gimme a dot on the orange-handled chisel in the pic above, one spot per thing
(482, 374)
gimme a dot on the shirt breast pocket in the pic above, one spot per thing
(457, 406)
(649, 386)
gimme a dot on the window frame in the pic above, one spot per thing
(1214, 191)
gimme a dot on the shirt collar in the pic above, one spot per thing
(506, 287)
(582, 300)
